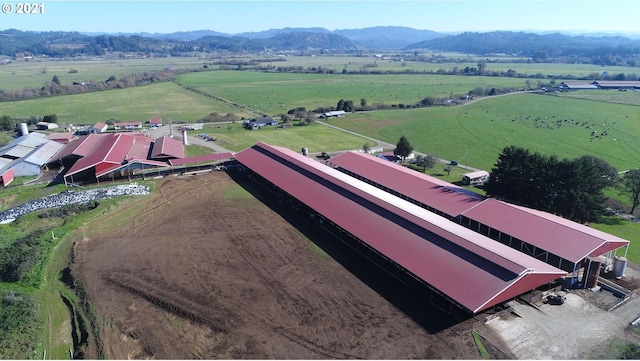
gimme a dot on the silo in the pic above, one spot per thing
(593, 269)
(619, 265)
(23, 129)
(184, 136)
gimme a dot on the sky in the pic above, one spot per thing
(233, 17)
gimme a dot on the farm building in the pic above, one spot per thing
(26, 156)
(46, 125)
(61, 137)
(334, 114)
(617, 84)
(475, 178)
(155, 122)
(97, 128)
(577, 85)
(560, 242)
(106, 156)
(165, 148)
(260, 122)
(446, 261)
(127, 126)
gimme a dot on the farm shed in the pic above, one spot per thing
(155, 122)
(441, 258)
(127, 125)
(334, 114)
(560, 242)
(61, 137)
(475, 178)
(46, 125)
(26, 155)
(617, 84)
(438, 196)
(577, 85)
(167, 148)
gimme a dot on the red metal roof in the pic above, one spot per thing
(469, 268)
(156, 121)
(167, 147)
(562, 237)
(60, 137)
(202, 158)
(108, 151)
(443, 196)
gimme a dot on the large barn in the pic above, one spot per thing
(448, 261)
(560, 242)
(106, 156)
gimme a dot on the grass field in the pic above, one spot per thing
(477, 133)
(37, 72)
(315, 137)
(276, 93)
(166, 100)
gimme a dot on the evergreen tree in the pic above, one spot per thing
(403, 148)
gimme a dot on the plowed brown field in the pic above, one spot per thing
(207, 270)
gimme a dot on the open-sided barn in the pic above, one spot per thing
(441, 257)
(560, 242)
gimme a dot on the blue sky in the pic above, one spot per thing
(238, 16)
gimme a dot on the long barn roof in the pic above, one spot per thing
(443, 196)
(472, 270)
(562, 237)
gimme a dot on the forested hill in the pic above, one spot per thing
(539, 47)
(551, 47)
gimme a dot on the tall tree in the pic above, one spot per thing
(403, 148)
(632, 181)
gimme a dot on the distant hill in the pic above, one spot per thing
(388, 37)
(531, 45)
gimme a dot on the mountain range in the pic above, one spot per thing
(314, 40)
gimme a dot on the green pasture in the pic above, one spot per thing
(315, 137)
(503, 64)
(37, 72)
(607, 96)
(276, 93)
(475, 134)
(626, 230)
(166, 100)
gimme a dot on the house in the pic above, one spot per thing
(257, 123)
(127, 125)
(475, 178)
(97, 128)
(155, 122)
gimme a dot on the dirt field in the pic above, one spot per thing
(206, 270)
